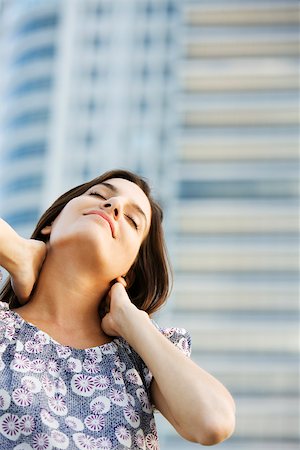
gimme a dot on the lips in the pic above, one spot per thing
(105, 217)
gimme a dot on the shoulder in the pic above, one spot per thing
(3, 305)
(8, 322)
(180, 337)
(5, 312)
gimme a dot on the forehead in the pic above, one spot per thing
(130, 190)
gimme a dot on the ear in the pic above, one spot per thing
(46, 230)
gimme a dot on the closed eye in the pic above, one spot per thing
(131, 219)
(97, 195)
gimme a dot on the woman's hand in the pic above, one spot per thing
(204, 412)
(120, 307)
(22, 258)
(26, 268)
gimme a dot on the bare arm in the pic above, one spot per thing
(22, 258)
(195, 403)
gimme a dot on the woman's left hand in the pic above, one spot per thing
(119, 305)
(202, 413)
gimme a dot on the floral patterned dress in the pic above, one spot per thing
(57, 397)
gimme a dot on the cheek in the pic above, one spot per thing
(68, 230)
(133, 244)
(130, 249)
(131, 259)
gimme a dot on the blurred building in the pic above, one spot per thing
(87, 86)
(236, 213)
(202, 98)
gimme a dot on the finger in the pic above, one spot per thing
(107, 302)
(122, 281)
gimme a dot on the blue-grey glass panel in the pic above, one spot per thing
(37, 24)
(45, 52)
(239, 189)
(22, 217)
(29, 117)
(29, 86)
(171, 8)
(23, 184)
(26, 150)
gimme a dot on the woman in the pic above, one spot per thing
(83, 365)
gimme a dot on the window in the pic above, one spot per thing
(168, 38)
(27, 216)
(97, 42)
(29, 86)
(27, 183)
(89, 139)
(94, 73)
(37, 24)
(143, 106)
(45, 52)
(238, 189)
(26, 150)
(29, 117)
(147, 40)
(149, 8)
(145, 73)
(167, 72)
(171, 8)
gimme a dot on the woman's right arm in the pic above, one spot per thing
(22, 258)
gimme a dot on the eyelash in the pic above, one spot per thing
(132, 221)
(97, 194)
(129, 217)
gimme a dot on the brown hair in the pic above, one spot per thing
(148, 280)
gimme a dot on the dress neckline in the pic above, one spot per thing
(21, 320)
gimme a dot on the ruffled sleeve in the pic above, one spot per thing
(8, 324)
(180, 337)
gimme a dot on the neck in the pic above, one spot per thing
(67, 295)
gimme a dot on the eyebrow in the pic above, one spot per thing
(132, 204)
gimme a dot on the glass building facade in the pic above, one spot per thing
(235, 216)
(202, 99)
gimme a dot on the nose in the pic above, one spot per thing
(114, 205)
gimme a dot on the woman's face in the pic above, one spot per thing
(104, 227)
